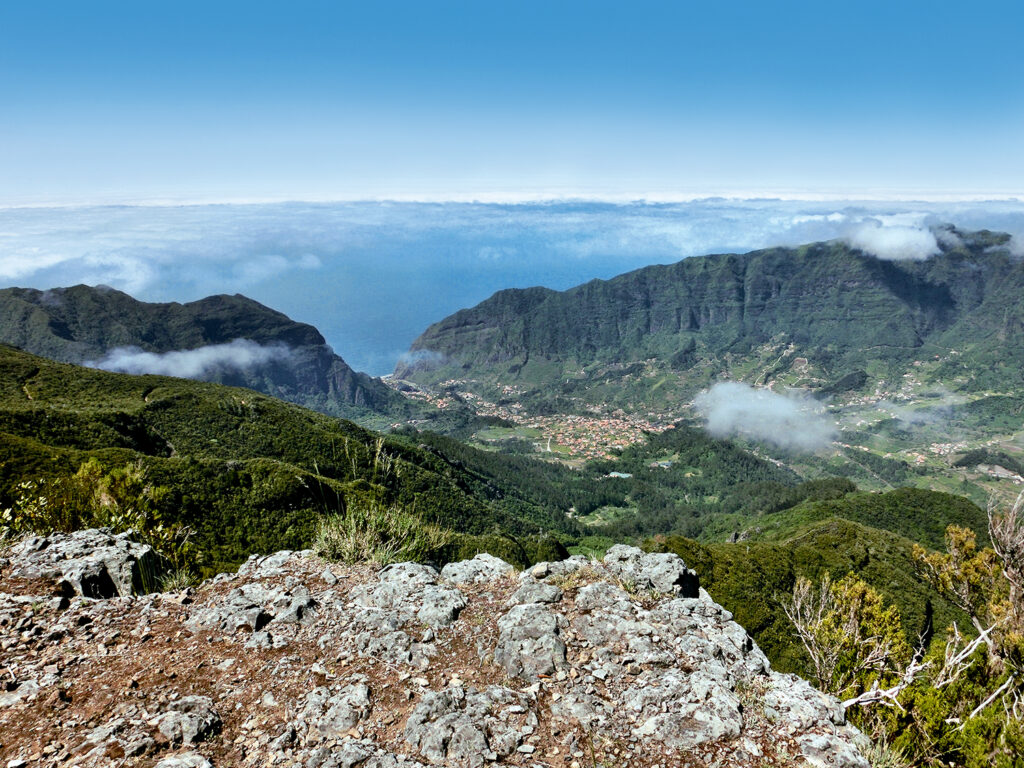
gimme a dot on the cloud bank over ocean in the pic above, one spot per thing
(373, 275)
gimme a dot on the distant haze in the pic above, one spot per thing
(373, 275)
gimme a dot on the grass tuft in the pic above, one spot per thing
(370, 531)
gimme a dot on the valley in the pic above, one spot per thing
(916, 378)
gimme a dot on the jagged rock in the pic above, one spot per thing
(347, 755)
(587, 709)
(26, 691)
(560, 568)
(189, 720)
(826, 751)
(684, 711)
(793, 700)
(465, 728)
(254, 606)
(479, 570)
(729, 645)
(184, 760)
(91, 563)
(413, 591)
(331, 714)
(662, 572)
(136, 745)
(264, 566)
(530, 642)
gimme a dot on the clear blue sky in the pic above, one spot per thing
(104, 101)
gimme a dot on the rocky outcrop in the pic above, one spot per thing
(91, 563)
(293, 661)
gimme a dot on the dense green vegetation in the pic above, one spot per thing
(915, 514)
(247, 472)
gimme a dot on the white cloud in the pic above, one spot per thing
(1017, 245)
(948, 238)
(15, 266)
(894, 243)
(200, 363)
(788, 421)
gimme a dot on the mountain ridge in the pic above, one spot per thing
(840, 308)
(81, 324)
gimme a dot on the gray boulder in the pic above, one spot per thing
(184, 760)
(90, 563)
(480, 570)
(530, 642)
(412, 592)
(464, 728)
(661, 572)
(253, 606)
(536, 592)
(823, 750)
(189, 720)
(795, 701)
(330, 715)
(556, 568)
(684, 711)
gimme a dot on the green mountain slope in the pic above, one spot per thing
(249, 472)
(82, 324)
(752, 578)
(817, 313)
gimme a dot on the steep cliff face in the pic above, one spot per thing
(83, 324)
(839, 307)
(294, 661)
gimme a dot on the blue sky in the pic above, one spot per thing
(113, 102)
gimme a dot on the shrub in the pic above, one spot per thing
(371, 531)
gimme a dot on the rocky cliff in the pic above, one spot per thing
(295, 661)
(83, 324)
(835, 308)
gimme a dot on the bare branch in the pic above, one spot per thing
(989, 700)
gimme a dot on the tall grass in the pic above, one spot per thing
(374, 532)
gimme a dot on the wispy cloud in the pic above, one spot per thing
(426, 358)
(199, 363)
(788, 421)
(1017, 245)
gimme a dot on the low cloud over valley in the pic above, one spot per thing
(373, 275)
(787, 421)
(199, 363)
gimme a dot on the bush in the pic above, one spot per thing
(121, 500)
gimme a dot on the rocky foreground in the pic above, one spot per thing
(295, 661)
